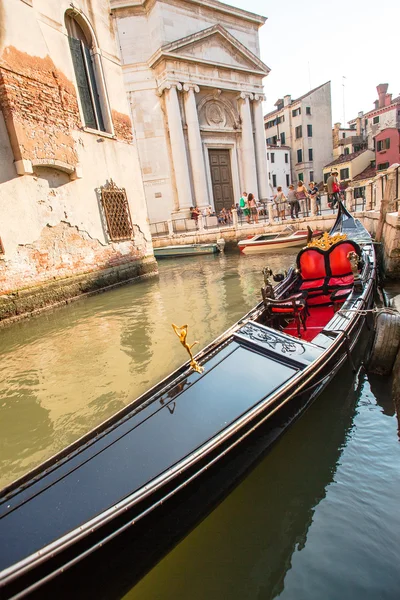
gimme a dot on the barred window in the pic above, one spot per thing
(117, 213)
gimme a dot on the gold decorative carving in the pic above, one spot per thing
(181, 332)
(326, 241)
(354, 260)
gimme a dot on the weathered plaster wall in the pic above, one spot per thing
(52, 224)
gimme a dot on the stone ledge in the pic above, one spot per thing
(33, 300)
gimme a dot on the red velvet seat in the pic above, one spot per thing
(293, 307)
(339, 265)
(324, 271)
(311, 263)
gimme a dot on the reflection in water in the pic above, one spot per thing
(64, 372)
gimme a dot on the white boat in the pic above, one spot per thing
(274, 241)
(186, 250)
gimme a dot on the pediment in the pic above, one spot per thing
(213, 46)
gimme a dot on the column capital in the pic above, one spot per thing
(259, 98)
(244, 95)
(167, 85)
(191, 86)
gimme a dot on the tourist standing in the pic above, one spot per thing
(253, 207)
(314, 197)
(194, 214)
(333, 188)
(293, 203)
(280, 200)
(302, 197)
(244, 205)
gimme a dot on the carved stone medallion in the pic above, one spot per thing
(215, 115)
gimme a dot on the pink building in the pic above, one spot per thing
(387, 148)
(384, 115)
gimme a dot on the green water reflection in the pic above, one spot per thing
(65, 371)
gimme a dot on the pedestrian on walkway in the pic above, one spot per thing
(195, 214)
(244, 205)
(253, 207)
(293, 203)
(280, 201)
(314, 197)
(333, 188)
(302, 197)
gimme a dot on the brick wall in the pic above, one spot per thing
(61, 251)
(122, 126)
(40, 107)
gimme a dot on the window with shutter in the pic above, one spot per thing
(82, 61)
(82, 82)
(93, 86)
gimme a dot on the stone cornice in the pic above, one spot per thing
(213, 4)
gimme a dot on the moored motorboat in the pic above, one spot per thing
(265, 242)
(189, 432)
(186, 250)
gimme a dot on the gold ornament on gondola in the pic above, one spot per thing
(326, 241)
(181, 332)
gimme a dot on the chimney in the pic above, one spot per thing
(376, 103)
(388, 99)
(287, 99)
(382, 89)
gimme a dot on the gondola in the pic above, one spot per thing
(145, 476)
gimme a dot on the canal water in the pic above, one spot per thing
(318, 518)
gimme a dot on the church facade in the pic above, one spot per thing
(194, 81)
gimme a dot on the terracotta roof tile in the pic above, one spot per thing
(368, 173)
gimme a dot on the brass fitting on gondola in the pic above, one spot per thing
(354, 262)
(181, 332)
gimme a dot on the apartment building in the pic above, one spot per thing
(279, 168)
(345, 140)
(304, 125)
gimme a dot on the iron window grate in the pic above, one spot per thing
(117, 213)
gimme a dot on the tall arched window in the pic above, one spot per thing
(80, 43)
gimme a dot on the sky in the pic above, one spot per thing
(308, 42)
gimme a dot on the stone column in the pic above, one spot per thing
(349, 199)
(178, 147)
(261, 148)
(271, 212)
(247, 147)
(235, 220)
(379, 191)
(368, 195)
(195, 146)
